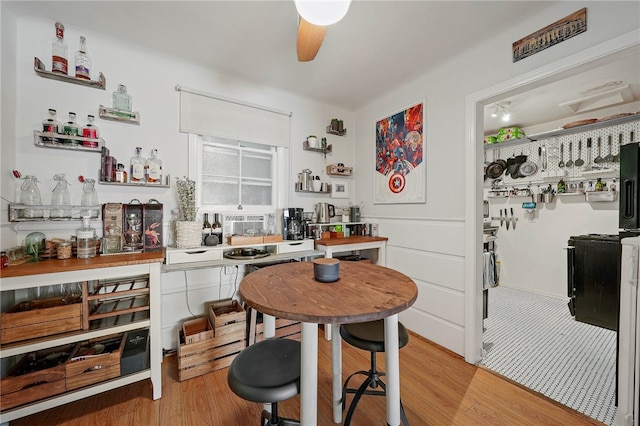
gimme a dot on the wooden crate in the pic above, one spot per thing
(225, 312)
(36, 376)
(284, 328)
(197, 330)
(39, 318)
(196, 359)
(94, 361)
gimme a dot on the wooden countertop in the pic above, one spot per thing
(356, 239)
(75, 264)
(364, 292)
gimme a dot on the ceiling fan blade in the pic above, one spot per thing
(309, 40)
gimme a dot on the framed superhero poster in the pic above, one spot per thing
(400, 175)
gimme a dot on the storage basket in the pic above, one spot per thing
(188, 234)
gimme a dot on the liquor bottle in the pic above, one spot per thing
(216, 227)
(51, 125)
(86, 240)
(71, 128)
(59, 52)
(137, 167)
(154, 168)
(121, 100)
(599, 186)
(113, 237)
(206, 228)
(121, 174)
(61, 198)
(90, 131)
(83, 61)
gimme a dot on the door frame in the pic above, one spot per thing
(474, 117)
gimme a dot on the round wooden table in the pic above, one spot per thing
(364, 292)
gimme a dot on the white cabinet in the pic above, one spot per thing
(17, 281)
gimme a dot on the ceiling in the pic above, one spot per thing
(378, 44)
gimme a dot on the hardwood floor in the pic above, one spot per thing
(437, 388)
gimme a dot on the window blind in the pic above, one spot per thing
(206, 114)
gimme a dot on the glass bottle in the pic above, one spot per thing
(90, 131)
(71, 128)
(61, 198)
(562, 187)
(30, 196)
(216, 227)
(121, 100)
(51, 125)
(86, 240)
(59, 52)
(154, 168)
(206, 228)
(83, 61)
(89, 198)
(137, 167)
(599, 186)
(121, 174)
(113, 237)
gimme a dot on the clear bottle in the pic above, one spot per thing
(121, 100)
(30, 196)
(89, 198)
(113, 237)
(216, 227)
(61, 198)
(83, 61)
(90, 131)
(154, 168)
(206, 228)
(71, 128)
(59, 52)
(86, 240)
(137, 168)
(51, 125)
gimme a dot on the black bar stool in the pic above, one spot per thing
(369, 336)
(267, 372)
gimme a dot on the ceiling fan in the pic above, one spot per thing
(315, 16)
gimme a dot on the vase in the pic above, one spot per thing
(188, 234)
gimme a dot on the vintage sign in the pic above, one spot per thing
(559, 31)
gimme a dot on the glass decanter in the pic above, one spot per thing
(61, 197)
(30, 196)
(89, 198)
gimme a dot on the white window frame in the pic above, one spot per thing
(279, 171)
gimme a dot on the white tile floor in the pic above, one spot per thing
(533, 340)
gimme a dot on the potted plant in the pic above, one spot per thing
(334, 124)
(312, 140)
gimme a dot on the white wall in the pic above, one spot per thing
(430, 236)
(150, 78)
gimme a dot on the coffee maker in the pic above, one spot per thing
(293, 223)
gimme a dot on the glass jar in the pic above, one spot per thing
(63, 250)
(34, 244)
(86, 240)
(30, 196)
(4, 259)
(61, 197)
(89, 198)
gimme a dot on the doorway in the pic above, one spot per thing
(603, 53)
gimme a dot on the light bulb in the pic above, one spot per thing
(322, 12)
(506, 116)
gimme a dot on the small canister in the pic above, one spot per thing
(63, 250)
(4, 259)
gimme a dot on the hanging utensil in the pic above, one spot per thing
(513, 219)
(587, 165)
(561, 163)
(599, 158)
(609, 158)
(579, 162)
(501, 219)
(616, 157)
(570, 162)
(506, 218)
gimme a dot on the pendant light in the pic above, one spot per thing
(322, 12)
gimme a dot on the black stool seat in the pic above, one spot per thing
(267, 372)
(370, 337)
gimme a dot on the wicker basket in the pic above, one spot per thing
(188, 234)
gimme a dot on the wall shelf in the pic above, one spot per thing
(74, 143)
(76, 212)
(167, 181)
(39, 68)
(118, 115)
(336, 132)
(306, 147)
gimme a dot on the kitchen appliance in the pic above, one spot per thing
(628, 361)
(593, 279)
(354, 214)
(324, 212)
(629, 191)
(245, 224)
(293, 223)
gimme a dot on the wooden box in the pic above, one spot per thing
(208, 355)
(238, 240)
(39, 318)
(225, 312)
(36, 376)
(284, 328)
(94, 361)
(152, 227)
(197, 330)
(272, 238)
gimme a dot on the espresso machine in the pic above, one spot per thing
(293, 223)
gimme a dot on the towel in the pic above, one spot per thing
(490, 272)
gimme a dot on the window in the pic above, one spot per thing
(234, 175)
